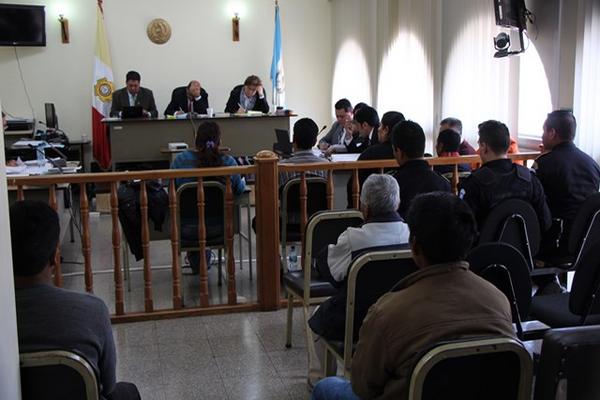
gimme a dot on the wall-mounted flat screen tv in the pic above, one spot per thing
(22, 25)
(510, 13)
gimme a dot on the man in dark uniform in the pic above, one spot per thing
(568, 175)
(500, 179)
(414, 174)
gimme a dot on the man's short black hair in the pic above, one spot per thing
(442, 226)
(367, 114)
(408, 136)
(563, 122)
(305, 133)
(133, 76)
(450, 140)
(495, 134)
(454, 123)
(391, 118)
(34, 232)
(343, 104)
(358, 106)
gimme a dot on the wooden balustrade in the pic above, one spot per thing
(266, 171)
(57, 266)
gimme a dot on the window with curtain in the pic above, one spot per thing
(587, 81)
(351, 78)
(476, 86)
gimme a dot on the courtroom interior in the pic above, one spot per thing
(300, 199)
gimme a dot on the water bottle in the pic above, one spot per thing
(293, 259)
(40, 156)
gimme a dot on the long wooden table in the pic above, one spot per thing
(141, 140)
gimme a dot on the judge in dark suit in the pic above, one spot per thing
(248, 97)
(367, 121)
(133, 95)
(191, 98)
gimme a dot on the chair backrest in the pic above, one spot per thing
(515, 222)
(584, 297)
(316, 196)
(586, 226)
(372, 273)
(214, 210)
(569, 364)
(324, 228)
(57, 375)
(491, 369)
(505, 267)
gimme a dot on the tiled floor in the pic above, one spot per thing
(235, 356)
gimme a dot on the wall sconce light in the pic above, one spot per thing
(235, 24)
(64, 28)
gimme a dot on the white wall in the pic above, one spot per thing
(9, 348)
(200, 48)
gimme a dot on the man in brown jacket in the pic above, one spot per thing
(442, 301)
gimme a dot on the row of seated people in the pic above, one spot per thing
(188, 99)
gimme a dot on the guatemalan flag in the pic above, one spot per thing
(103, 90)
(277, 76)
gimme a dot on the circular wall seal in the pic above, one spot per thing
(104, 90)
(159, 31)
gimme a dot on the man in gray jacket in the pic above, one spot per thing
(338, 136)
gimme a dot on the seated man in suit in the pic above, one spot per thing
(133, 95)
(448, 145)
(414, 175)
(338, 136)
(50, 318)
(188, 99)
(248, 97)
(442, 301)
(367, 126)
(500, 179)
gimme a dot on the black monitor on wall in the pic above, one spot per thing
(51, 118)
(511, 13)
(22, 25)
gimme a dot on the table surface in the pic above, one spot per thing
(199, 118)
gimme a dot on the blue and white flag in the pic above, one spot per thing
(277, 76)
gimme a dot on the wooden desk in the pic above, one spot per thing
(141, 140)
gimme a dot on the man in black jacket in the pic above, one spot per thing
(188, 99)
(133, 95)
(367, 121)
(414, 174)
(248, 97)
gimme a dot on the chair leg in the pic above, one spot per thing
(249, 240)
(329, 364)
(220, 281)
(127, 276)
(290, 320)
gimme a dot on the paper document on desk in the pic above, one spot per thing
(344, 157)
(19, 169)
(24, 143)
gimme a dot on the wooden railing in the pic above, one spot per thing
(265, 170)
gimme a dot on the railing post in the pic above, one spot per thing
(267, 230)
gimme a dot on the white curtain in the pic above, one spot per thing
(476, 86)
(587, 91)
(405, 81)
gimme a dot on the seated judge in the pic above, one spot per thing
(248, 97)
(188, 99)
(133, 95)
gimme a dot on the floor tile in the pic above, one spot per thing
(240, 344)
(240, 365)
(256, 387)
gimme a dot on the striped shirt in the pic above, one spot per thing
(300, 157)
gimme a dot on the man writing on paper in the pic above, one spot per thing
(248, 97)
(188, 99)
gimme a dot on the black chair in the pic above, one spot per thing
(515, 222)
(57, 375)
(581, 305)
(491, 369)
(316, 200)
(569, 364)
(585, 229)
(323, 228)
(372, 273)
(504, 266)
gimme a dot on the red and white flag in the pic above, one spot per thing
(103, 90)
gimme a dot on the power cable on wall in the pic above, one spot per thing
(23, 81)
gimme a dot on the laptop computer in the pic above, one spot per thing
(283, 145)
(132, 112)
